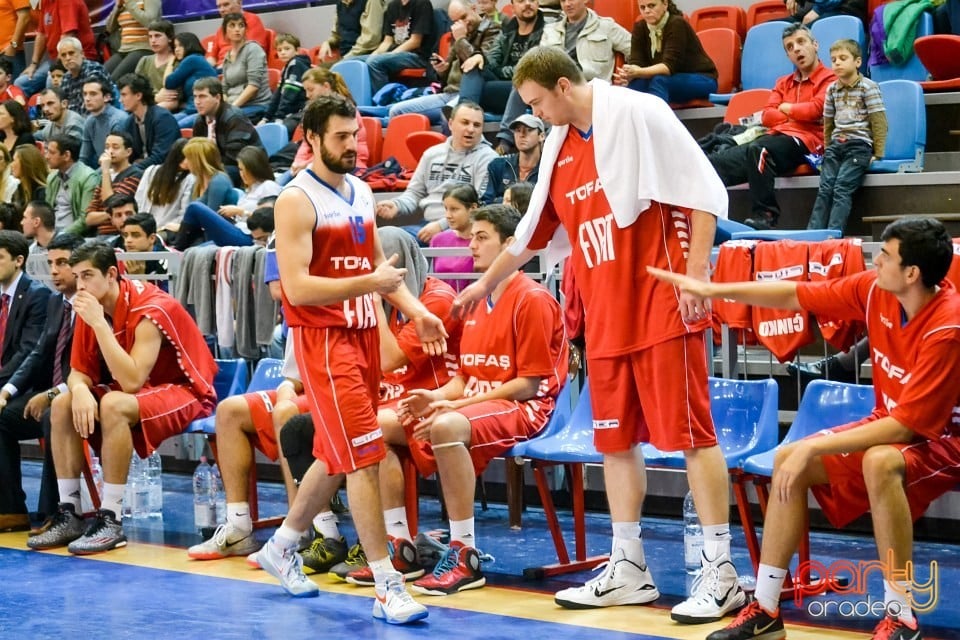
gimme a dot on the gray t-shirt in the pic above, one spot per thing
(570, 37)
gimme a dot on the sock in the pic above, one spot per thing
(396, 521)
(287, 537)
(629, 537)
(70, 492)
(326, 523)
(462, 531)
(382, 570)
(897, 592)
(716, 540)
(769, 585)
(112, 499)
(238, 517)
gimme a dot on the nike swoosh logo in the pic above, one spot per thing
(757, 629)
(722, 601)
(597, 592)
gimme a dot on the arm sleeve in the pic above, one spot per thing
(811, 110)
(371, 29)
(839, 298)
(86, 145)
(181, 72)
(255, 64)
(878, 129)
(537, 320)
(166, 132)
(217, 191)
(149, 13)
(36, 300)
(639, 54)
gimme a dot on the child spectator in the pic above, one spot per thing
(459, 203)
(57, 71)
(289, 97)
(855, 126)
(517, 196)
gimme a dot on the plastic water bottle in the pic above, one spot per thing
(218, 496)
(692, 535)
(128, 488)
(204, 509)
(155, 485)
(139, 488)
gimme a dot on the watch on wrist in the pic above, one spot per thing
(14, 44)
(52, 393)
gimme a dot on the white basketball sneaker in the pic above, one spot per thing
(621, 581)
(716, 592)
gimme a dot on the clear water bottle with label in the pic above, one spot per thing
(692, 535)
(139, 488)
(204, 508)
(155, 484)
(128, 488)
(218, 494)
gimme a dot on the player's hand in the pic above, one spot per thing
(387, 278)
(416, 405)
(36, 406)
(88, 308)
(428, 231)
(469, 297)
(694, 293)
(387, 210)
(433, 335)
(787, 474)
(85, 411)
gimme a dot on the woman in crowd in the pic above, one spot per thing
(131, 18)
(166, 189)
(190, 66)
(15, 125)
(245, 81)
(517, 196)
(459, 203)
(158, 64)
(227, 227)
(30, 169)
(8, 182)
(666, 57)
(212, 187)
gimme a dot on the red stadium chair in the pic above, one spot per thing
(726, 17)
(940, 54)
(273, 77)
(723, 47)
(374, 139)
(395, 139)
(186, 133)
(765, 11)
(273, 60)
(624, 12)
(745, 103)
(420, 141)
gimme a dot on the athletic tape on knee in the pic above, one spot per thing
(444, 445)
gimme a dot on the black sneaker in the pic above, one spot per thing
(65, 527)
(891, 628)
(104, 534)
(752, 622)
(762, 222)
(824, 369)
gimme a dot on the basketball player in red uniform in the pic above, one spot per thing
(897, 460)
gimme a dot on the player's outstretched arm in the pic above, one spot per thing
(505, 264)
(778, 295)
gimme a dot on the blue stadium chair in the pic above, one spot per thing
(907, 135)
(274, 136)
(913, 69)
(800, 235)
(231, 380)
(726, 228)
(267, 375)
(558, 420)
(826, 31)
(357, 76)
(763, 60)
(824, 404)
(236, 194)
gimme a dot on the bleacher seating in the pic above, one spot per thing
(720, 17)
(940, 55)
(763, 60)
(374, 131)
(723, 47)
(420, 141)
(273, 78)
(273, 136)
(766, 11)
(826, 31)
(907, 135)
(624, 12)
(913, 69)
(395, 138)
(357, 77)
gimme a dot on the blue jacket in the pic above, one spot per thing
(503, 172)
(190, 69)
(161, 130)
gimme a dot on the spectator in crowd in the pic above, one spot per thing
(9, 183)
(488, 9)
(132, 18)
(245, 81)
(518, 195)
(522, 166)
(289, 98)
(102, 118)
(119, 207)
(79, 71)
(156, 66)
(14, 24)
(666, 58)
(212, 187)
(227, 226)
(165, 190)
(261, 225)
(357, 29)
(8, 90)
(55, 77)
(408, 40)
(70, 184)
(255, 31)
(10, 217)
(31, 170)
(15, 125)
(793, 119)
(462, 158)
(155, 389)
(62, 121)
(223, 123)
(189, 67)
(58, 19)
(117, 175)
(139, 234)
(473, 38)
(591, 40)
(153, 129)
(488, 81)
(855, 126)
(459, 203)
(39, 225)
(809, 11)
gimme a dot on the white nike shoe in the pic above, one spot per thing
(716, 592)
(226, 541)
(394, 605)
(622, 581)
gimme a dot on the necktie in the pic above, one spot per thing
(4, 314)
(63, 336)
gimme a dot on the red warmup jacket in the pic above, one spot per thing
(805, 121)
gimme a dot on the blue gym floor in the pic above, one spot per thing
(151, 590)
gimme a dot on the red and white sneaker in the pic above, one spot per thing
(404, 557)
(891, 628)
(458, 570)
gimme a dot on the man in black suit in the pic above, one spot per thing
(23, 304)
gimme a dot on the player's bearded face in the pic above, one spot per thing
(342, 161)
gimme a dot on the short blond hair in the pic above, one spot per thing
(545, 66)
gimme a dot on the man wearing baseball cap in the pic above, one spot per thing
(522, 166)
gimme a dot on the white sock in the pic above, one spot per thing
(396, 521)
(326, 523)
(629, 537)
(238, 517)
(112, 499)
(897, 592)
(382, 569)
(462, 531)
(287, 537)
(69, 490)
(769, 585)
(716, 540)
